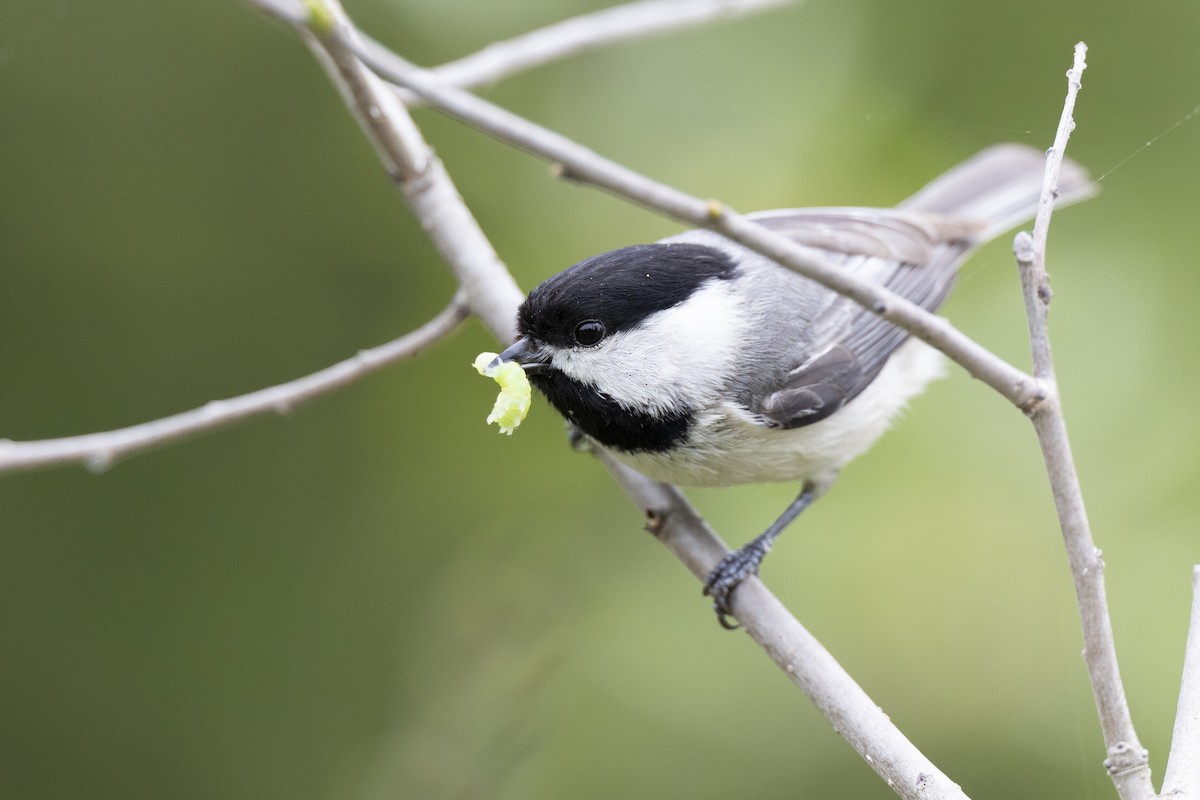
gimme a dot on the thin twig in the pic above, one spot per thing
(1127, 761)
(1182, 778)
(794, 650)
(571, 37)
(583, 165)
(491, 292)
(101, 450)
(560, 40)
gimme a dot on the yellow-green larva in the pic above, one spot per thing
(512, 404)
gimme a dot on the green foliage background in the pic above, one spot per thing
(379, 597)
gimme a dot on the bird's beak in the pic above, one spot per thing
(524, 351)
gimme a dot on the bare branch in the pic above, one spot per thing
(1031, 251)
(581, 164)
(793, 649)
(487, 288)
(1182, 779)
(558, 41)
(99, 451)
(491, 292)
(1127, 761)
(584, 33)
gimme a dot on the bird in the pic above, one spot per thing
(699, 362)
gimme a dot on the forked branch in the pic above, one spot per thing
(1127, 762)
(587, 32)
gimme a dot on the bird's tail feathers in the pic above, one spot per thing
(1000, 187)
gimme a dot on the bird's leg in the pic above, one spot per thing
(744, 562)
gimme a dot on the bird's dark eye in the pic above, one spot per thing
(589, 332)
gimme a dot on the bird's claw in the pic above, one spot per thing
(726, 576)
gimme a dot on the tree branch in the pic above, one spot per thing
(558, 41)
(491, 292)
(99, 451)
(794, 650)
(1127, 761)
(583, 165)
(584, 33)
(1182, 779)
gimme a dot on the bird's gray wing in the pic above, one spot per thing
(915, 251)
(849, 345)
(913, 254)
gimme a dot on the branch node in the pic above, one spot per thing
(1038, 400)
(100, 462)
(714, 209)
(1124, 758)
(319, 20)
(1044, 292)
(1023, 249)
(562, 172)
(655, 521)
(215, 408)
(417, 180)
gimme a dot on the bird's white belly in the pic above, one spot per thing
(727, 446)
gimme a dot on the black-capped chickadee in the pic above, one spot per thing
(699, 362)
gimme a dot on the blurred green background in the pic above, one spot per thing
(377, 596)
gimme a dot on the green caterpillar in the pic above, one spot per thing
(512, 404)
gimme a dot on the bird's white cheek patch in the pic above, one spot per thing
(677, 358)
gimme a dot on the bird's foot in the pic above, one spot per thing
(727, 575)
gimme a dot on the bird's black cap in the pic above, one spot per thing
(619, 288)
